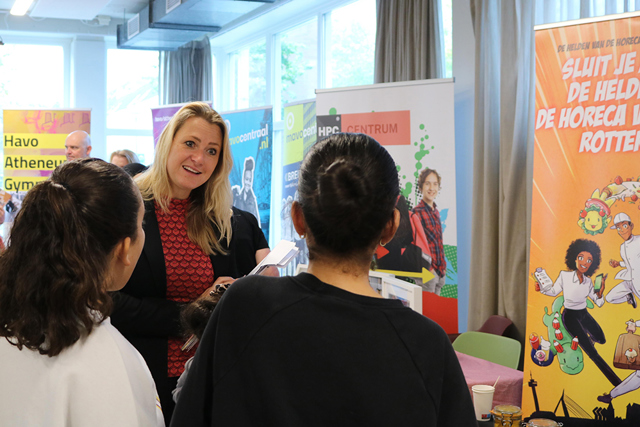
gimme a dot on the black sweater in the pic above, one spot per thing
(294, 351)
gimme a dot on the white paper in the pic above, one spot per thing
(279, 257)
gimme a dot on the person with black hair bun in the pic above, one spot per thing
(323, 348)
(582, 259)
(77, 236)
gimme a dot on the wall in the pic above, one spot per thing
(89, 86)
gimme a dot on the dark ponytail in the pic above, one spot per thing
(347, 190)
(54, 275)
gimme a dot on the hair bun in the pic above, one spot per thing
(342, 188)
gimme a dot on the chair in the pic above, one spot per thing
(496, 325)
(494, 348)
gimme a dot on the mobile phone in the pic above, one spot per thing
(597, 282)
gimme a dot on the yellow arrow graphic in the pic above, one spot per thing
(426, 275)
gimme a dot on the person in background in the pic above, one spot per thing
(133, 169)
(2, 216)
(429, 183)
(77, 145)
(123, 157)
(63, 364)
(323, 348)
(195, 240)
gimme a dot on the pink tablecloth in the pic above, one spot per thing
(478, 371)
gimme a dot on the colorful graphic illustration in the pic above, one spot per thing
(586, 179)
(596, 215)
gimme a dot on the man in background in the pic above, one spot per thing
(77, 145)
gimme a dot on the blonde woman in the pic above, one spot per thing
(123, 157)
(195, 240)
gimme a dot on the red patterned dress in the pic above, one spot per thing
(189, 271)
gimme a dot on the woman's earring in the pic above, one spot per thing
(302, 236)
(383, 244)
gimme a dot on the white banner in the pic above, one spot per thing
(415, 122)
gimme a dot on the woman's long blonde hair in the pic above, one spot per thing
(209, 212)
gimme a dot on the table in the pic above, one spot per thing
(478, 371)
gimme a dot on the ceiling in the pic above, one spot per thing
(164, 24)
(81, 9)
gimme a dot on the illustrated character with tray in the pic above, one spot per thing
(629, 288)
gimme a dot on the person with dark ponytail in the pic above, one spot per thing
(323, 348)
(77, 237)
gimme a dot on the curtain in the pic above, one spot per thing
(409, 42)
(186, 74)
(503, 141)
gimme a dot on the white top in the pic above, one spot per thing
(630, 253)
(99, 381)
(575, 293)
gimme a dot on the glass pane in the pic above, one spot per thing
(351, 35)
(299, 62)
(248, 76)
(447, 26)
(141, 145)
(132, 88)
(25, 83)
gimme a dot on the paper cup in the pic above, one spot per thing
(482, 401)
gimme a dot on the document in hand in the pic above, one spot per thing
(278, 257)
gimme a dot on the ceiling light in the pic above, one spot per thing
(20, 7)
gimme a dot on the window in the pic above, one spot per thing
(351, 38)
(548, 12)
(298, 62)
(447, 30)
(132, 90)
(25, 83)
(248, 76)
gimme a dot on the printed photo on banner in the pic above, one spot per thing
(251, 141)
(584, 285)
(420, 137)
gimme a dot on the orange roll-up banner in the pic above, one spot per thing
(584, 270)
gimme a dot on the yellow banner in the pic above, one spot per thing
(34, 140)
(22, 183)
(33, 143)
(33, 162)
